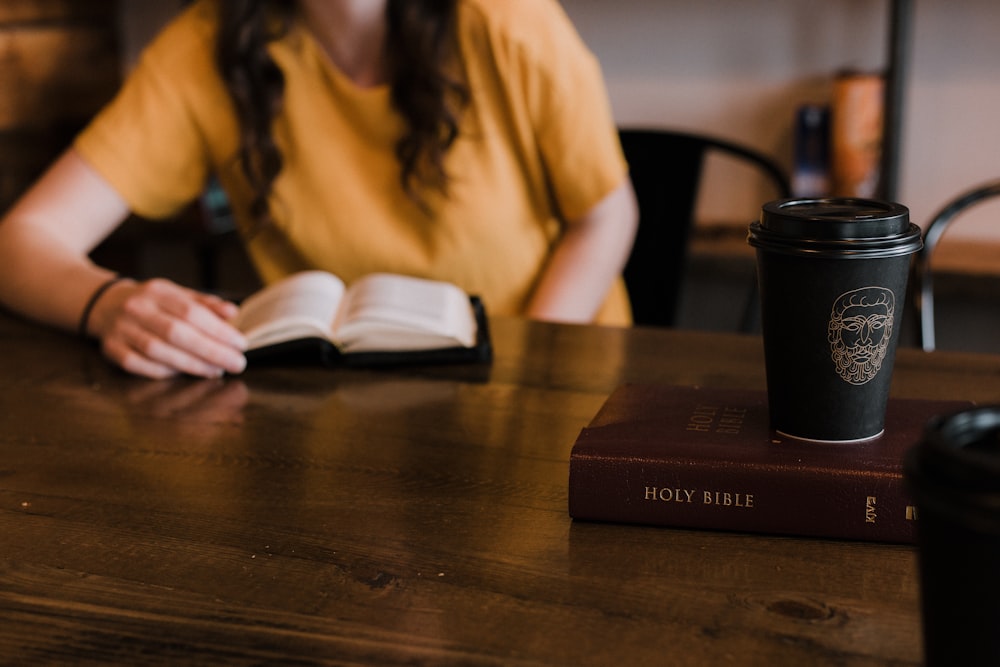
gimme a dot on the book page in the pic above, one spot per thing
(393, 312)
(301, 306)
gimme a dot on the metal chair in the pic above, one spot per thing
(666, 168)
(922, 280)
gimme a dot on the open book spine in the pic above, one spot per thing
(714, 494)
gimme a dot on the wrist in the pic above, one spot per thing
(87, 314)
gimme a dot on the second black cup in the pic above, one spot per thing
(954, 476)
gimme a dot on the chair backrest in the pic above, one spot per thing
(666, 169)
(922, 279)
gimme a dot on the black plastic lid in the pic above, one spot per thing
(841, 227)
(954, 471)
(835, 218)
(966, 447)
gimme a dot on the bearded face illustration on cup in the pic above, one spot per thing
(860, 330)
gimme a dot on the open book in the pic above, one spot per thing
(381, 318)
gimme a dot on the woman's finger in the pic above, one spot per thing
(159, 329)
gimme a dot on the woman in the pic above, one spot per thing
(462, 140)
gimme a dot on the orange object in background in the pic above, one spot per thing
(856, 133)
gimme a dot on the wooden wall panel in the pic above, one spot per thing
(54, 75)
(59, 63)
(25, 11)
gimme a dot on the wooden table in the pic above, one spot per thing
(312, 516)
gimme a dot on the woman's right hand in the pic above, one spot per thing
(159, 329)
(154, 328)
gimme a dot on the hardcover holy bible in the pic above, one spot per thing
(706, 458)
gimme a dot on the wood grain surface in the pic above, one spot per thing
(400, 517)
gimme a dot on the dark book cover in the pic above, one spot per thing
(321, 352)
(706, 458)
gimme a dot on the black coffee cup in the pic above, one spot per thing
(953, 475)
(832, 274)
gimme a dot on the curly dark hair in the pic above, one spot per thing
(425, 89)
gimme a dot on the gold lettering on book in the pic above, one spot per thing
(911, 513)
(727, 499)
(720, 498)
(702, 418)
(870, 514)
(716, 419)
(668, 495)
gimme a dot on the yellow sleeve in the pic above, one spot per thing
(156, 140)
(566, 93)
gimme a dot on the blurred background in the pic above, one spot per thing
(736, 69)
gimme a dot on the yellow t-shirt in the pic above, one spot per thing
(538, 145)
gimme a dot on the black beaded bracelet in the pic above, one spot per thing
(85, 316)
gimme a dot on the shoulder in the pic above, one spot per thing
(188, 40)
(530, 46)
(176, 73)
(514, 13)
(532, 26)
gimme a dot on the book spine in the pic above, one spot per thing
(855, 505)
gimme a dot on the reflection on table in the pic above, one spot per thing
(304, 515)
